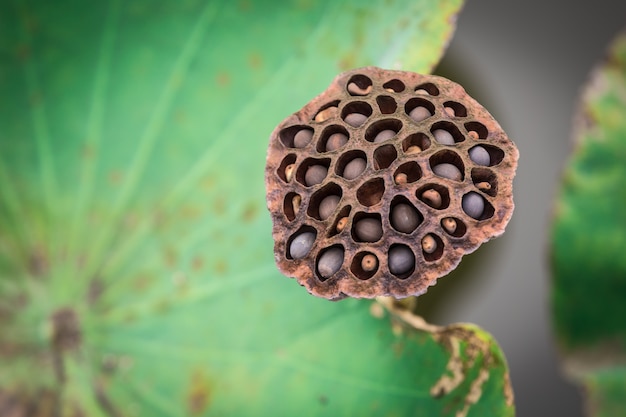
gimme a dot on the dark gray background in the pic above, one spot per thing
(526, 62)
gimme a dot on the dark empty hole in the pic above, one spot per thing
(370, 193)
(327, 111)
(291, 205)
(386, 104)
(332, 138)
(454, 109)
(394, 85)
(401, 260)
(323, 203)
(351, 164)
(419, 109)
(485, 180)
(407, 173)
(384, 156)
(427, 88)
(302, 133)
(434, 195)
(453, 226)
(447, 164)
(356, 113)
(382, 130)
(312, 171)
(359, 85)
(403, 215)
(286, 168)
(364, 265)
(432, 247)
(446, 133)
(415, 143)
(329, 261)
(477, 127)
(300, 243)
(367, 227)
(341, 221)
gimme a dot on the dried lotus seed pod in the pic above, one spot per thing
(376, 190)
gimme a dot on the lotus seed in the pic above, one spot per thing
(473, 134)
(328, 205)
(368, 230)
(449, 224)
(479, 155)
(301, 245)
(432, 197)
(354, 89)
(326, 114)
(413, 149)
(401, 178)
(355, 119)
(384, 135)
(330, 262)
(404, 218)
(369, 263)
(302, 138)
(341, 224)
(289, 172)
(295, 203)
(443, 136)
(401, 260)
(473, 204)
(315, 174)
(449, 171)
(421, 91)
(419, 113)
(354, 168)
(483, 186)
(336, 141)
(429, 244)
(449, 111)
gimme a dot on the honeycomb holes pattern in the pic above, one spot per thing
(372, 163)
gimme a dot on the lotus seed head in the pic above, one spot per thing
(369, 263)
(443, 136)
(330, 261)
(301, 245)
(432, 197)
(429, 244)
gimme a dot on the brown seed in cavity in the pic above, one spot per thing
(449, 224)
(404, 218)
(384, 135)
(369, 263)
(433, 197)
(449, 111)
(419, 113)
(341, 224)
(315, 174)
(449, 171)
(355, 119)
(391, 90)
(429, 244)
(354, 168)
(336, 141)
(483, 186)
(296, 201)
(326, 114)
(421, 91)
(353, 88)
(369, 230)
(328, 206)
(289, 172)
(473, 134)
(414, 149)
(302, 138)
(401, 178)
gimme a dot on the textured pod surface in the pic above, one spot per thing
(408, 146)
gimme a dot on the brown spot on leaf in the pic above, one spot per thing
(250, 212)
(199, 393)
(255, 60)
(197, 263)
(223, 79)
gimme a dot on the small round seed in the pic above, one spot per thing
(302, 138)
(368, 230)
(449, 111)
(296, 201)
(384, 135)
(429, 244)
(326, 114)
(330, 262)
(391, 90)
(369, 263)
(443, 136)
(341, 224)
(354, 168)
(401, 260)
(449, 171)
(289, 172)
(449, 224)
(419, 113)
(413, 149)
(432, 197)
(328, 205)
(355, 119)
(401, 178)
(472, 134)
(483, 186)
(336, 141)
(479, 155)
(473, 204)
(404, 218)
(315, 174)
(301, 245)
(354, 89)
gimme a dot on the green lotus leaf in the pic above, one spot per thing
(136, 267)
